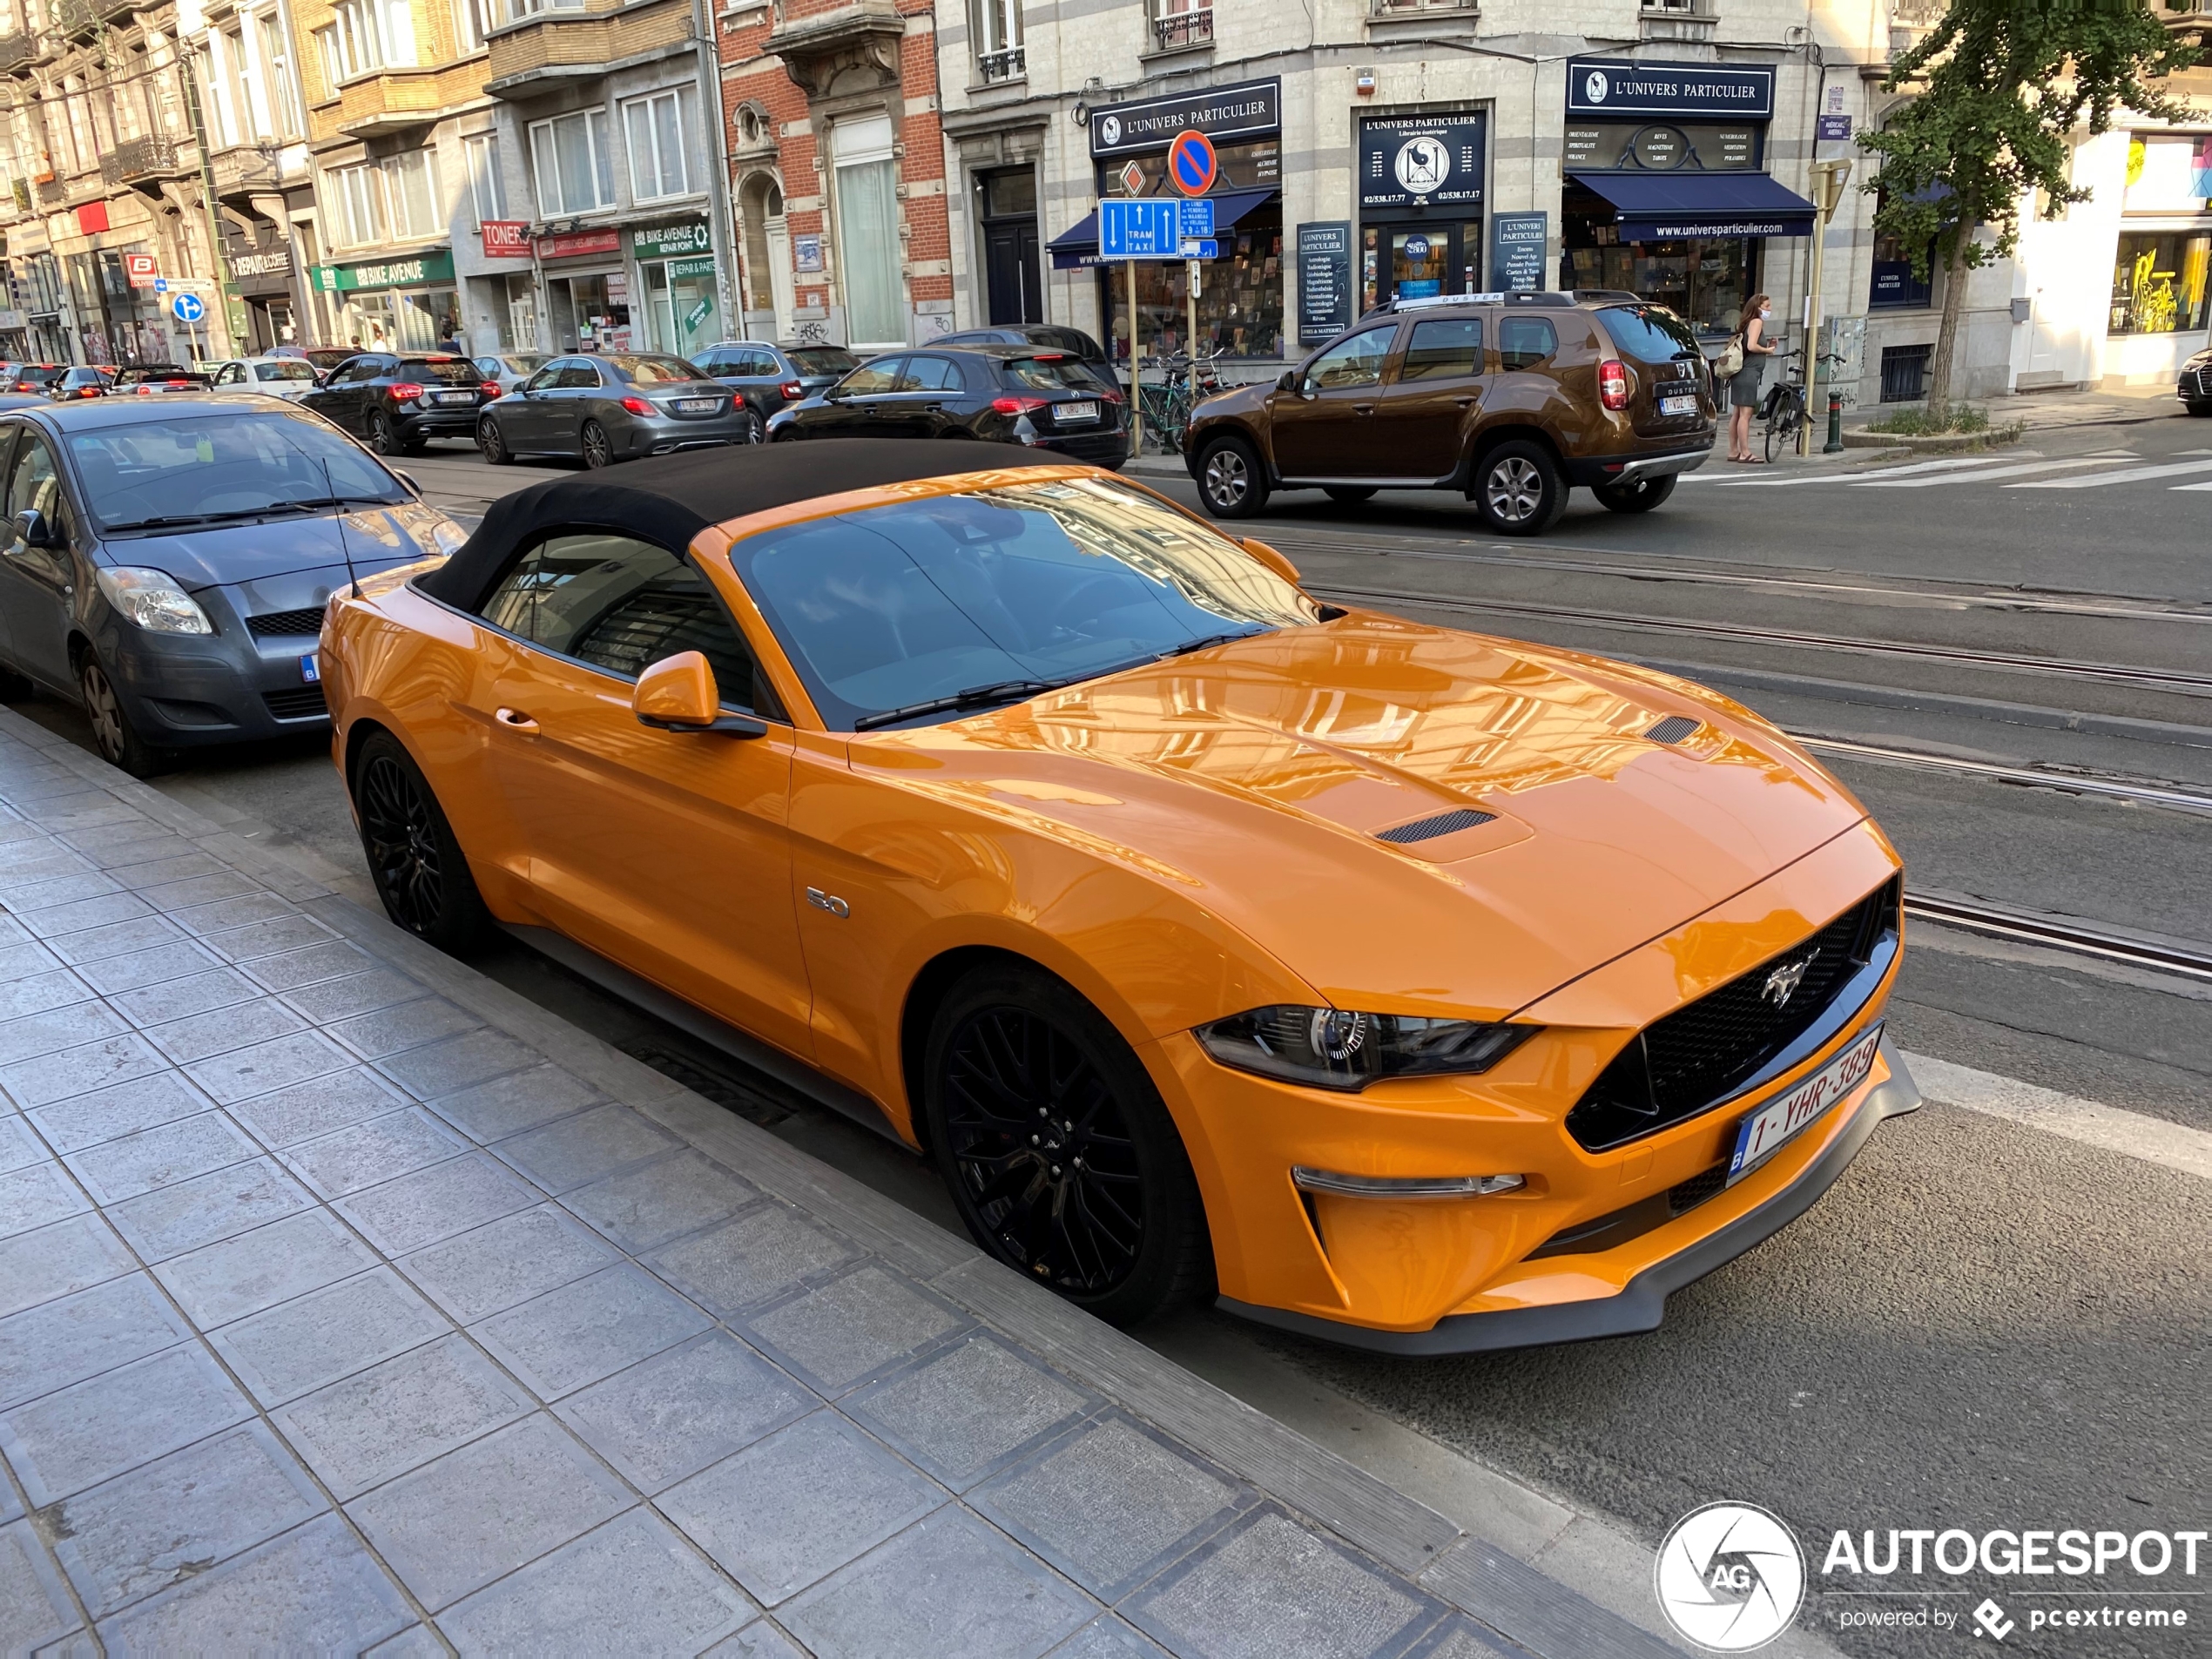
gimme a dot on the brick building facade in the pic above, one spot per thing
(838, 170)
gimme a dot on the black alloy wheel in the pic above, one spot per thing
(1057, 1149)
(493, 443)
(116, 739)
(1637, 495)
(381, 438)
(418, 868)
(1231, 481)
(598, 448)
(1348, 495)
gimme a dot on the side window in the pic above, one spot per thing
(761, 363)
(1523, 342)
(578, 376)
(32, 482)
(931, 374)
(1356, 361)
(621, 605)
(1444, 349)
(873, 379)
(545, 378)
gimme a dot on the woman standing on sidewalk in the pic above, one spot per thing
(1744, 387)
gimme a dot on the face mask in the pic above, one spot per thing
(1766, 312)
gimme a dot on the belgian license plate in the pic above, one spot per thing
(1678, 405)
(311, 667)
(698, 405)
(453, 397)
(1065, 413)
(1759, 1137)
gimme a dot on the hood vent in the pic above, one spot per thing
(1673, 729)
(1427, 829)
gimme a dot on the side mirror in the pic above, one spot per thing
(1288, 382)
(406, 478)
(1273, 560)
(678, 694)
(33, 528)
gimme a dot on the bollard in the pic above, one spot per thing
(1835, 444)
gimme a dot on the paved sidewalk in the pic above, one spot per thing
(347, 1301)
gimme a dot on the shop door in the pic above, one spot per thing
(1426, 261)
(1010, 260)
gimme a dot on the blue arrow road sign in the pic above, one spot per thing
(1145, 229)
(1196, 219)
(188, 308)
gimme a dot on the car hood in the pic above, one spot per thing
(1256, 778)
(372, 537)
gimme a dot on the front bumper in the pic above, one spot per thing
(187, 691)
(1641, 1303)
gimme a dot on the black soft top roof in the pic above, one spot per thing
(670, 499)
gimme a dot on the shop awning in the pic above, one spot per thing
(1657, 207)
(1077, 246)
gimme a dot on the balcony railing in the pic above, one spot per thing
(139, 158)
(243, 169)
(1174, 30)
(53, 193)
(1010, 65)
(16, 50)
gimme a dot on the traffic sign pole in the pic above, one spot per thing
(1136, 404)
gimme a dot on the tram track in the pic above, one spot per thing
(2063, 932)
(2139, 791)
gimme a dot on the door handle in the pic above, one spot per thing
(516, 720)
(1363, 408)
(1465, 402)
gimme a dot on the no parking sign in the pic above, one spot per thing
(1191, 165)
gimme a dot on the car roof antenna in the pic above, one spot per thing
(345, 548)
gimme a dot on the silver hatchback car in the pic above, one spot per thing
(616, 406)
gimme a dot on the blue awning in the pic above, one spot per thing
(1077, 246)
(1658, 206)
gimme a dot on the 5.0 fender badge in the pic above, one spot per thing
(837, 907)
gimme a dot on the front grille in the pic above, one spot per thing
(2197, 382)
(272, 624)
(1700, 1054)
(303, 703)
(1427, 829)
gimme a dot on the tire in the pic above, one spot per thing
(1122, 1232)
(118, 740)
(1638, 497)
(381, 438)
(1781, 429)
(418, 868)
(1231, 482)
(1349, 495)
(598, 448)
(1518, 489)
(493, 443)
(753, 430)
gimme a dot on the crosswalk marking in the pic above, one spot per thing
(2013, 471)
(2190, 486)
(2131, 475)
(1844, 477)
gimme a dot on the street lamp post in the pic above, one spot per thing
(1829, 179)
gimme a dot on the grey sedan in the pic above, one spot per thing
(601, 409)
(166, 561)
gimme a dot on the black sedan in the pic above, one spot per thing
(2195, 386)
(1009, 394)
(168, 561)
(84, 380)
(30, 377)
(769, 376)
(601, 409)
(398, 404)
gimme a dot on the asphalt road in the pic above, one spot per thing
(1982, 1326)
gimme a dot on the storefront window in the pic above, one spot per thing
(591, 312)
(1706, 281)
(681, 315)
(1240, 296)
(2158, 282)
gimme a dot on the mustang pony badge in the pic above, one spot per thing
(1782, 984)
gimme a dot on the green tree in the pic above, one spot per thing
(1998, 87)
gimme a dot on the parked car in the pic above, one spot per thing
(143, 379)
(1210, 937)
(1049, 335)
(166, 562)
(30, 377)
(1049, 400)
(2195, 388)
(510, 370)
(1511, 399)
(601, 409)
(770, 376)
(286, 377)
(82, 380)
(398, 404)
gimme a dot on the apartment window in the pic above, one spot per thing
(408, 187)
(655, 128)
(1398, 8)
(865, 177)
(486, 189)
(366, 35)
(276, 54)
(1181, 23)
(998, 40)
(356, 198)
(518, 9)
(471, 20)
(575, 173)
(250, 115)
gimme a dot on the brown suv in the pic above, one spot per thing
(1512, 399)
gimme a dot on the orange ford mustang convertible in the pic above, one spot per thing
(1405, 987)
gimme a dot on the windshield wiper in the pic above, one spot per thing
(172, 520)
(1190, 646)
(975, 697)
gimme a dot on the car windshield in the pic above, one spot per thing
(822, 359)
(656, 371)
(284, 368)
(525, 362)
(1051, 373)
(447, 371)
(990, 596)
(1650, 334)
(199, 468)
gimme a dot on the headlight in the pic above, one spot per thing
(1336, 1050)
(447, 537)
(152, 599)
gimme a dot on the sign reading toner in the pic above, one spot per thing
(1615, 86)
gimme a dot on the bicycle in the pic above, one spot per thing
(1786, 409)
(1185, 382)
